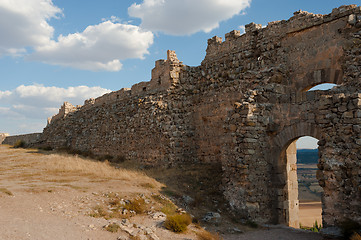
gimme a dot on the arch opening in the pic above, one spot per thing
(309, 190)
(301, 192)
(320, 87)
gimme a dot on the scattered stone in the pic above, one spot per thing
(187, 199)
(213, 217)
(122, 238)
(159, 216)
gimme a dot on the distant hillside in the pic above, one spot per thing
(307, 156)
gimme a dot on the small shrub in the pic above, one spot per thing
(118, 159)
(251, 224)
(169, 209)
(113, 227)
(196, 221)
(204, 235)
(6, 191)
(315, 228)
(98, 212)
(20, 144)
(177, 223)
(170, 193)
(86, 153)
(356, 236)
(46, 148)
(106, 157)
(147, 185)
(137, 205)
(349, 227)
(135, 238)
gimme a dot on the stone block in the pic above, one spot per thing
(352, 19)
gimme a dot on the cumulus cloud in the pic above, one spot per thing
(242, 29)
(23, 23)
(40, 102)
(98, 47)
(185, 17)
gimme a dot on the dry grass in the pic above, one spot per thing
(52, 170)
(113, 227)
(6, 191)
(116, 207)
(204, 235)
(356, 236)
(178, 223)
(74, 164)
(67, 165)
(165, 205)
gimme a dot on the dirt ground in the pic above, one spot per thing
(49, 196)
(309, 213)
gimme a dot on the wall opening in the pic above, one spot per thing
(322, 87)
(309, 190)
(302, 192)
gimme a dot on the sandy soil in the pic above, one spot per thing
(309, 213)
(275, 234)
(45, 196)
(40, 201)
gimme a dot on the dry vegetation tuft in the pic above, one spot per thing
(178, 223)
(204, 235)
(6, 191)
(356, 236)
(75, 164)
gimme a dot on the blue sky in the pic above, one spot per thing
(66, 50)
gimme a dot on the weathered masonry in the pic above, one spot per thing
(244, 106)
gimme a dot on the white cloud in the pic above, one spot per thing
(23, 23)
(26, 108)
(99, 47)
(40, 102)
(185, 17)
(242, 29)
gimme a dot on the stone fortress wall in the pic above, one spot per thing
(3, 136)
(244, 107)
(29, 139)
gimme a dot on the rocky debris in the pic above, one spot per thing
(3, 136)
(159, 216)
(134, 230)
(212, 217)
(187, 200)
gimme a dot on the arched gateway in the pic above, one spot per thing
(243, 106)
(284, 158)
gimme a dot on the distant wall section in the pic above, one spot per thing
(29, 139)
(3, 136)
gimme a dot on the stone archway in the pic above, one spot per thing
(320, 76)
(284, 160)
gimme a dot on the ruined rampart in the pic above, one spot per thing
(244, 107)
(28, 139)
(3, 136)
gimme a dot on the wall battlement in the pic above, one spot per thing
(244, 107)
(301, 20)
(165, 75)
(3, 136)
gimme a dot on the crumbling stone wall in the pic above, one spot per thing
(244, 106)
(3, 136)
(29, 139)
